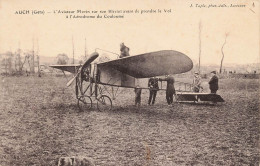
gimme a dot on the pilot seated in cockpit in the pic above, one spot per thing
(124, 51)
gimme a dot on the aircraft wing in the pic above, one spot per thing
(151, 64)
(72, 68)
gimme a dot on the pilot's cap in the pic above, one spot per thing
(214, 72)
(196, 73)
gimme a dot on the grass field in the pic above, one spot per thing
(40, 122)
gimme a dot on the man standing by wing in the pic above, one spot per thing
(153, 88)
(196, 82)
(138, 92)
(170, 90)
(213, 83)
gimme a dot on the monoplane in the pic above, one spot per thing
(92, 79)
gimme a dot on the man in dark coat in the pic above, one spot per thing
(124, 51)
(153, 87)
(138, 92)
(170, 90)
(213, 83)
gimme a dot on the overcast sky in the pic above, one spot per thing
(178, 30)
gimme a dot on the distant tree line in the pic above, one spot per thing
(15, 63)
(62, 59)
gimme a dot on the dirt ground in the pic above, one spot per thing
(40, 122)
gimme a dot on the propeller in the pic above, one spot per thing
(92, 57)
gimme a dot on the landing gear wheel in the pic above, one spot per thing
(104, 103)
(84, 103)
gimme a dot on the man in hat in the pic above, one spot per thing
(213, 83)
(153, 88)
(196, 82)
(124, 51)
(170, 90)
